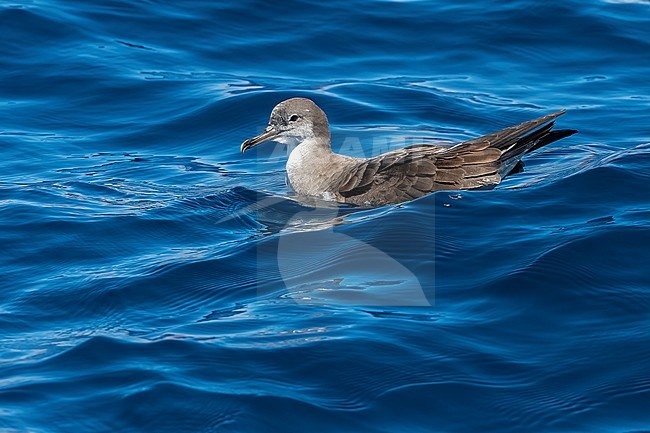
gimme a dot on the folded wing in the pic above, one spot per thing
(414, 171)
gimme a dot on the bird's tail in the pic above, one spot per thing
(528, 143)
(551, 137)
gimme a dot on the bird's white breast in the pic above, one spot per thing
(295, 165)
(306, 168)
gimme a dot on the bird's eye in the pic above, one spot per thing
(294, 117)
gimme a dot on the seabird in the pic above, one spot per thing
(313, 169)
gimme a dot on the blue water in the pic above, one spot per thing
(153, 279)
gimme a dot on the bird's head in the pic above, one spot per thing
(292, 121)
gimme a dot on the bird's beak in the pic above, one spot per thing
(269, 134)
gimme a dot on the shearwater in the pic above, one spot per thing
(313, 169)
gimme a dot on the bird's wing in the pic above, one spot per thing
(414, 171)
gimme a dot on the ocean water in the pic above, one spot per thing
(152, 279)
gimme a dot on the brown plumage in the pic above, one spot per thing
(402, 174)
